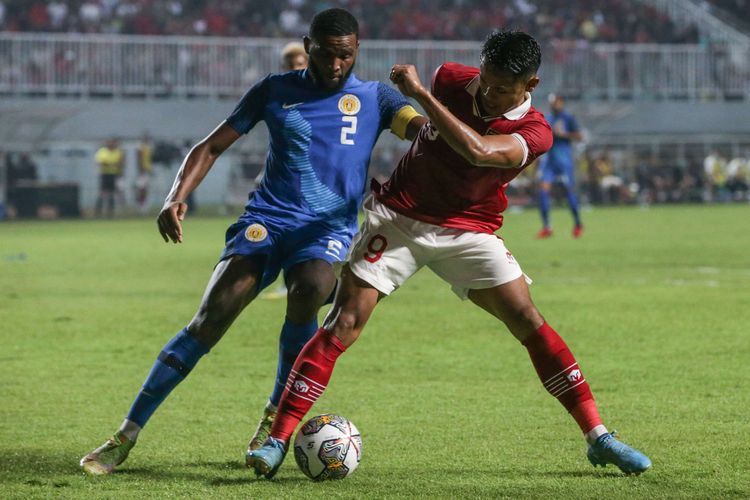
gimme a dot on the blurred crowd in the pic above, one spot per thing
(585, 20)
(607, 177)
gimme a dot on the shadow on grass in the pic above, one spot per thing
(587, 474)
(19, 462)
(207, 472)
(38, 468)
(45, 468)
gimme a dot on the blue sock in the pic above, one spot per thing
(293, 339)
(573, 204)
(174, 363)
(544, 206)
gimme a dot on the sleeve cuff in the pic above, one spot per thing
(525, 147)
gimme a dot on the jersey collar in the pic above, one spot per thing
(308, 78)
(514, 114)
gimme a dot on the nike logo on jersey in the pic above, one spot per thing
(289, 106)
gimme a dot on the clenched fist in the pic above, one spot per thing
(407, 79)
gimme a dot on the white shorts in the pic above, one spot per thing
(391, 247)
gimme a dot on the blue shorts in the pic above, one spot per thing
(556, 171)
(284, 243)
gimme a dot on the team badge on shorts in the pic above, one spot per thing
(349, 104)
(256, 233)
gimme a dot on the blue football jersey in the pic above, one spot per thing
(319, 146)
(562, 149)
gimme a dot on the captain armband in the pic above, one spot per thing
(401, 119)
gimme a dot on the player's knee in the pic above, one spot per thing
(210, 322)
(310, 292)
(526, 316)
(347, 326)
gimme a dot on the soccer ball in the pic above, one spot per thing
(328, 447)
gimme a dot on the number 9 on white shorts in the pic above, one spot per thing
(391, 247)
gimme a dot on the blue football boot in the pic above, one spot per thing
(267, 459)
(607, 449)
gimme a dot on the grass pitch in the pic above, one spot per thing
(654, 303)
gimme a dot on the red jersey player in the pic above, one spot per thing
(440, 209)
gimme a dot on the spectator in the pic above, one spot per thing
(715, 168)
(111, 161)
(145, 165)
(738, 172)
(612, 185)
(23, 171)
(293, 56)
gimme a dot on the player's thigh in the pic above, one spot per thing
(468, 261)
(510, 303)
(310, 254)
(257, 239)
(384, 253)
(546, 175)
(566, 176)
(233, 284)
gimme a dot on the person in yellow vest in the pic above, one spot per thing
(715, 169)
(111, 161)
(145, 154)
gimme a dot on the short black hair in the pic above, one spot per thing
(333, 22)
(513, 52)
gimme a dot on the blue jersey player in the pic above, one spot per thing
(558, 165)
(323, 124)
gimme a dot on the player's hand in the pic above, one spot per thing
(170, 221)
(559, 130)
(407, 79)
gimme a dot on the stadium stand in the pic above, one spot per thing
(73, 74)
(588, 20)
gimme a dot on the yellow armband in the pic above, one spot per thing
(401, 119)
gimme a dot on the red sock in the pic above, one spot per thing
(307, 381)
(559, 372)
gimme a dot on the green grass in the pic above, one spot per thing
(654, 303)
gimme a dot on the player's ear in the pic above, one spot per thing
(306, 43)
(532, 83)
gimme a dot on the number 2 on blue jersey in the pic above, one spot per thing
(351, 129)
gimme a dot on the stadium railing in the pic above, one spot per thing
(56, 65)
(700, 14)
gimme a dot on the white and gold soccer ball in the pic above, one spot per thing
(328, 447)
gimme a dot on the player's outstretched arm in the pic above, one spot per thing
(499, 151)
(194, 168)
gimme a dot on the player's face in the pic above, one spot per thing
(499, 91)
(332, 59)
(558, 104)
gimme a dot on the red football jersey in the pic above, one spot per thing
(434, 184)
